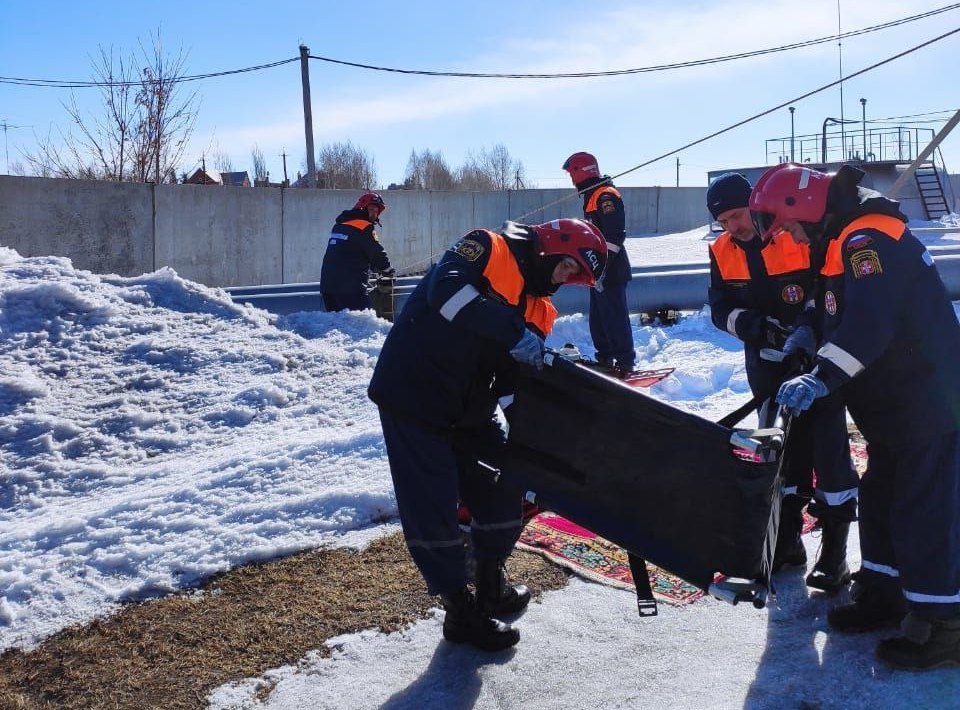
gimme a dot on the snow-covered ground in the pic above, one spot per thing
(152, 433)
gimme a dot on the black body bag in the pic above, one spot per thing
(666, 485)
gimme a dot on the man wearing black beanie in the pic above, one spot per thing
(761, 292)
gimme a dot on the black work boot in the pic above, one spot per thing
(878, 602)
(926, 643)
(790, 551)
(831, 572)
(465, 623)
(494, 595)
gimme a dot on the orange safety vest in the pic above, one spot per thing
(595, 197)
(505, 279)
(781, 256)
(891, 226)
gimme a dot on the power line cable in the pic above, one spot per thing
(70, 84)
(642, 70)
(75, 84)
(758, 115)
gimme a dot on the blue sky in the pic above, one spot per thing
(625, 120)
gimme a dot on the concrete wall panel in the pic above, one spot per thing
(640, 205)
(104, 227)
(452, 216)
(240, 237)
(219, 236)
(681, 208)
(490, 209)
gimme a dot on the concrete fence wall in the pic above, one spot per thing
(232, 236)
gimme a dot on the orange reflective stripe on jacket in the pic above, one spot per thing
(358, 223)
(541, 313)
(502, 271)
(891, 226)
(505, 278)
(594, 198)
(781, 256)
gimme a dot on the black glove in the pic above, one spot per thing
(774, 334)
(388, 273)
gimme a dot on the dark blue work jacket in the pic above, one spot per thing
(751, 281)
(603, 207)
(446, 360)
(352, 251)
(891, 336)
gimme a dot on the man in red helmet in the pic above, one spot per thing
(761, 291)
(448, 361)
(890, 343)
(353, 250)
(609, 317)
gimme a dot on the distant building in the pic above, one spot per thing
(215, 177)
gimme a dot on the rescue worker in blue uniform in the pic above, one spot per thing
(353, 250)
(890, 344)
(609, 317)
(761, 291)
(448, 361)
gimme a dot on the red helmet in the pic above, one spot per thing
(788, 193)
(580, 241)
(581, 166)
(370, 198)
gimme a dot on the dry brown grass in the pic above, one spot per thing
(170, 653)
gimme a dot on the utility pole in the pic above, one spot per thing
(308, 115)
(678, 171)
(792, 109)
(284, 156)
(863, 105)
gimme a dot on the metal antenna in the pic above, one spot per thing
(6, 149)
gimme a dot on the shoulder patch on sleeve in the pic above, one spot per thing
(608, 206)
(469, 249)
(865, 263)
(375, 236)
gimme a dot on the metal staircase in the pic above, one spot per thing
(931, 190)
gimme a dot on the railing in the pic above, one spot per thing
(898, 143)
(666, 286)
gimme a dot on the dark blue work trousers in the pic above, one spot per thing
(432, 472)
(910, 521)
(346, 302)
(610, 326)
(819, 447)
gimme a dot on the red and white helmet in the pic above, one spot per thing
(581, 166)
(580, 241)
(370, 198)
(788, 193)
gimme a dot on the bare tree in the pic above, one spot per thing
(142, 132)
(222, 162)
(260, 174)
(501, 168)
(343, 165)
(429, 171)
(472, 175)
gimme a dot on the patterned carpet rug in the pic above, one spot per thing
(590, 556)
